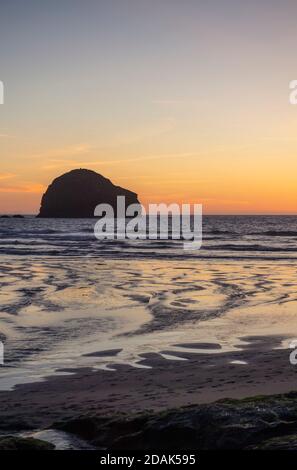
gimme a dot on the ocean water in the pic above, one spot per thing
(225, 237)
(68, 300)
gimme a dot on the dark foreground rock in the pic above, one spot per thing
(21, 443)
(77, 193)
(253, 423)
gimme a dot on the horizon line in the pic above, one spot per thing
(276, 214)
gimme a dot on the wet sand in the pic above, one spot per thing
(153, 336)
(77, 315)
(193, 378)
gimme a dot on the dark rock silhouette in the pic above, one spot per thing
(24, 443)
(77, 193)
(263, 422)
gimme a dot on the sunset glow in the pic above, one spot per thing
(179, 105)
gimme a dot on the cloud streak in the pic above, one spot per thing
(70, 150)
(25, 188)
(5, 176)
(57, 163)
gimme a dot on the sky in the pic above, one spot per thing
(180, 101)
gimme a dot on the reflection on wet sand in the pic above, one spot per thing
(56, 315)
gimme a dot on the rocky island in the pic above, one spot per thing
(76, 194)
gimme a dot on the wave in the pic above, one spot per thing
(247, 247)
(266, 233)
(276, 233)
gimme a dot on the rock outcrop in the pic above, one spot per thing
(264, 422)
(77, 193)
(21, 443)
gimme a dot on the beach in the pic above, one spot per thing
(148, 228)
(132, 329)
(61, 409)
(258, 369)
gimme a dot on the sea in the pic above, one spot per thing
(69, 300)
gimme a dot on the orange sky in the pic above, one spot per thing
(188, 104)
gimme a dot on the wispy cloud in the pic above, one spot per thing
(4, 134)
(165, 102)
(5, 176)
(58, 163)
(224, 201)
(70, 150)
(143, 132)
(23, 188)
(146, 157)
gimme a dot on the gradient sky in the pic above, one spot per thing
(180, 101)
